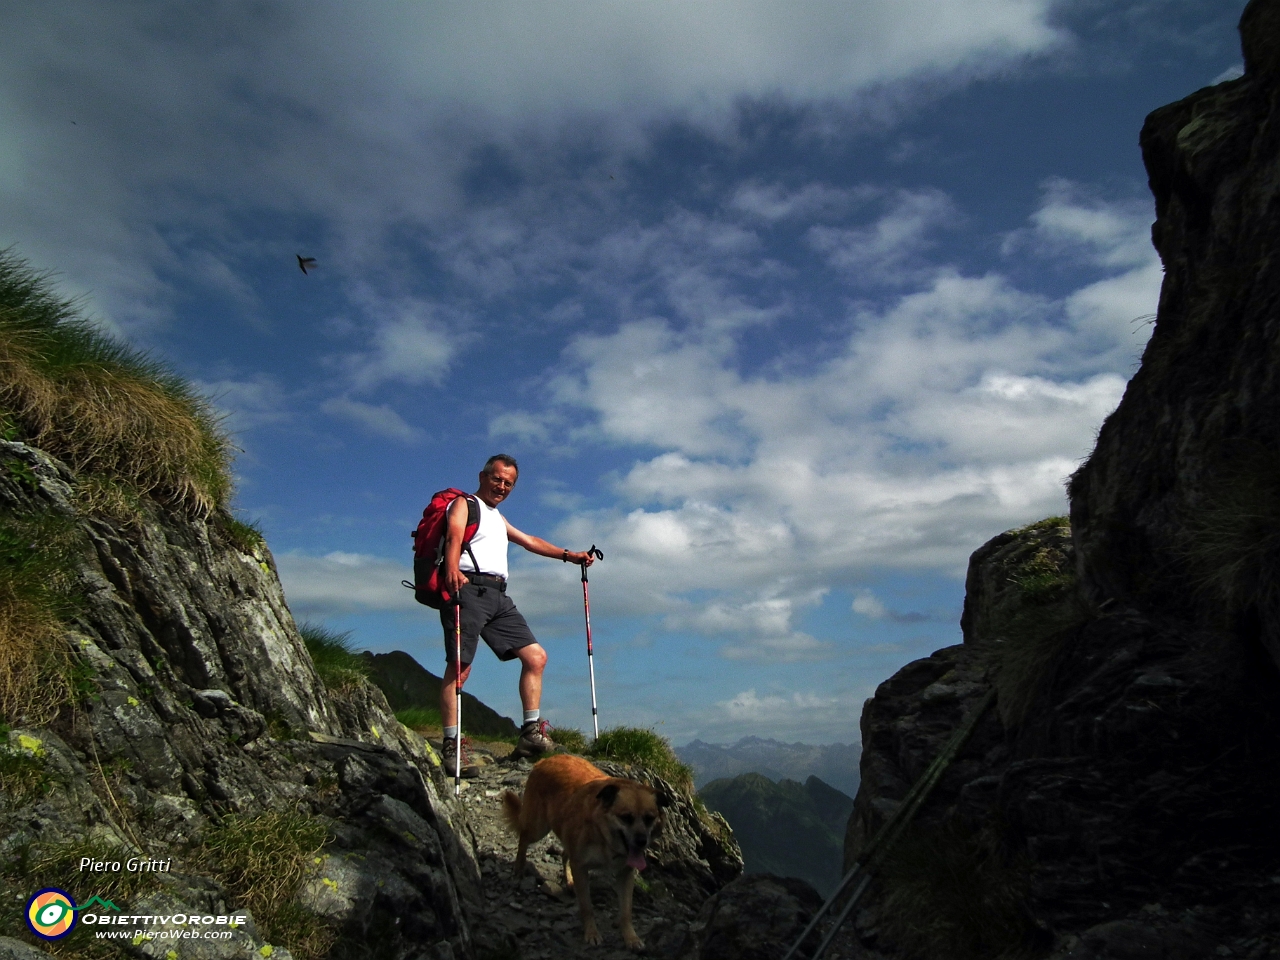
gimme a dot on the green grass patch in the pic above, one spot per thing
(99, 405)
(644, 748)
(337, 661)
(38, 674)
(571, 738)
(24, 778)
(262, 861)
(420, 718)
(246, 537)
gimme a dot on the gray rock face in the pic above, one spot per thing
(205, 703)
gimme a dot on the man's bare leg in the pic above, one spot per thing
(448, 703)
(533, 660)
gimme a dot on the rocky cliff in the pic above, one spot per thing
(1122, 799)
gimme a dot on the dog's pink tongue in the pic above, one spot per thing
(636, 860)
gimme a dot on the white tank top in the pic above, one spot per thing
(489, 544)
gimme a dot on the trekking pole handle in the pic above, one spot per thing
(591, 551)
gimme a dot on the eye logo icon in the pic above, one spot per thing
(51, 913)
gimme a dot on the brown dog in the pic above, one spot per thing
(601, 821)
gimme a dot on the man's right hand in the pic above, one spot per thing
(455, 580)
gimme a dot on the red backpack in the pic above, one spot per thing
(428, 547)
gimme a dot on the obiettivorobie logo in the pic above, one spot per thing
(51, 913)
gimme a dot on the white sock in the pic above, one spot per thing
(451, 733)
(530, 716)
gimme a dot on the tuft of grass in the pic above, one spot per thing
(37, 671)
(951, 892)
(262, 861)
(1231, 541)
(247, 537)
(100, 405)
(571, 738)
(420, 718)
(644, 748)
(107, 497)
(339, 664)
(23, 778)
(1032, 625)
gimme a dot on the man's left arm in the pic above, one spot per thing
(544, 548)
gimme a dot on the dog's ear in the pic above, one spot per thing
(663, 800)
(608, 793)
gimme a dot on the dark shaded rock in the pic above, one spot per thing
(1171, 486)
(756, 917)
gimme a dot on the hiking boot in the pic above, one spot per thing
(534, 741)
(449, 757)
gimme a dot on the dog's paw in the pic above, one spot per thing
(591, 936)
(632, 941)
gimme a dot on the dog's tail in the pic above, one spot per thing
(511, 810)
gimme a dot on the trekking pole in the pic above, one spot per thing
(457, 694)
(591, 663)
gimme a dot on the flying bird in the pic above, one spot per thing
(304, 262)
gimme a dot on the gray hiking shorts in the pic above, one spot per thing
(486, 612)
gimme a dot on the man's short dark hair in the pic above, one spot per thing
(506, 458)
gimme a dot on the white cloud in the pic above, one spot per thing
(828, 716)
(868, 605)
(380, 420)
(350, 126)
(886, 252)
(1071, 221)
(1233, 72)
(246, 404)
(951, 413)
(411, 343)
(774, 201)
(338, 583)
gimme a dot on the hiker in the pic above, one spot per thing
(487, 611)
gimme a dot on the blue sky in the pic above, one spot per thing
(789, 307)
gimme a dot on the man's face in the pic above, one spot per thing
(496, 483)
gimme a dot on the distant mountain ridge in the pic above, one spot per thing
(786, 828)
(834, 763)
